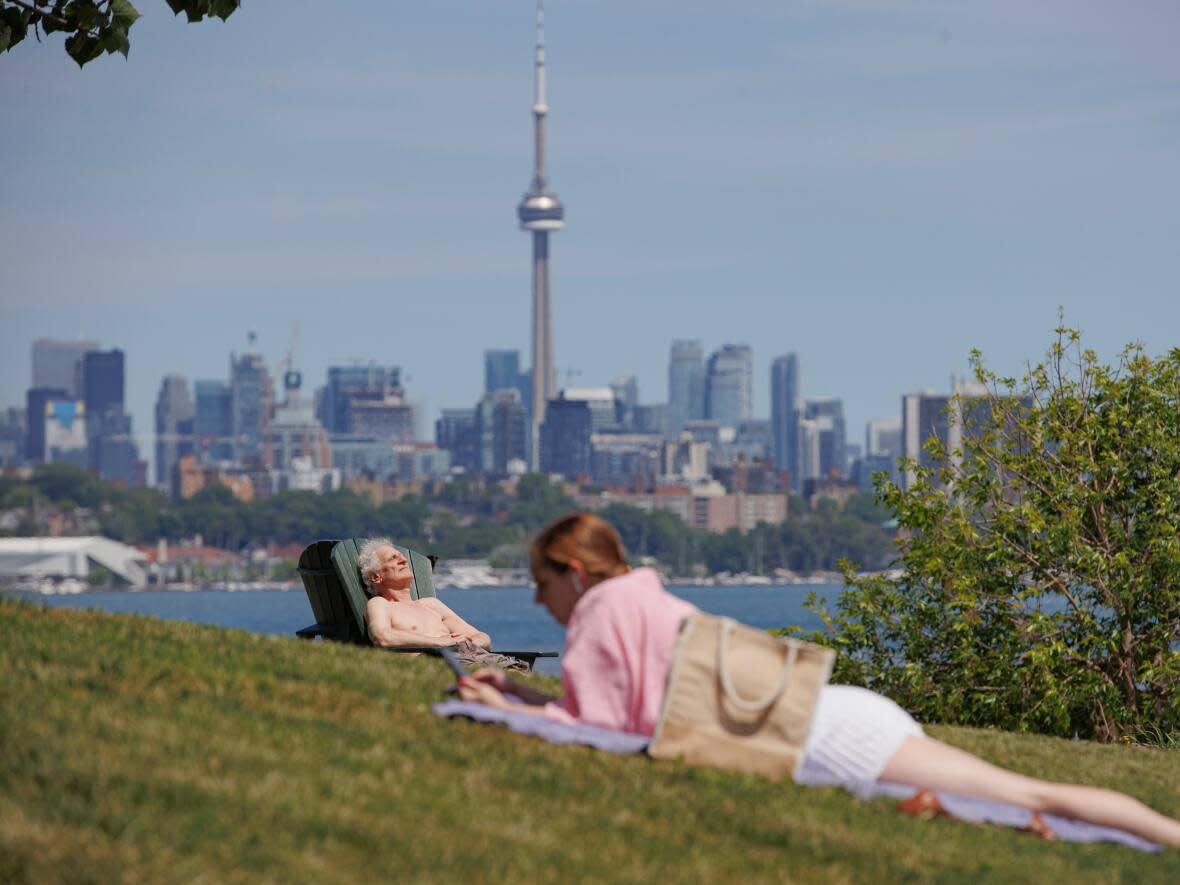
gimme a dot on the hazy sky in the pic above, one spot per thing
(879, 186)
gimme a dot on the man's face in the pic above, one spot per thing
(393, 571)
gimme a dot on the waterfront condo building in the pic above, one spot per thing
(686, 385)
(729, 385)
(786, 411)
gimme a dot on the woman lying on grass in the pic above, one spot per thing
(622, 627)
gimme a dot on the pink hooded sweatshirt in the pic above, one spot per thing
(618, 649)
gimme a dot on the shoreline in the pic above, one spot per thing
(291, 587)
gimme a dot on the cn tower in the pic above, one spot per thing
(540, 212)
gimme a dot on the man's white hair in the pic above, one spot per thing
(366, 558)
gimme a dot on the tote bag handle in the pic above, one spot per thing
(728, 625)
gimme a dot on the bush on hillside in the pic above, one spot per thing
(1039, 564)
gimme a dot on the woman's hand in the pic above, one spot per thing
(494, 677)
(474, 689)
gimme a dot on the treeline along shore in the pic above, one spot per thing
(465, 520)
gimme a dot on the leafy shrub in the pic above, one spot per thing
(1038, 581)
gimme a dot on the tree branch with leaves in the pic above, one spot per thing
(94, 27)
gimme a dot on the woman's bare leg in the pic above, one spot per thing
(932, 765)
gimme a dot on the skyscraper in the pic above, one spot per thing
(929, 414)
(213, 421)
(101, 378)
(540, 212)
(501, 429)
(786, 410)
(565, 437)
(501, 370)
(55, 363)
(36, 411)
(729, 385)
(626, 391)
(827, 417)
(686, 385)
(883, 437)
(250, 400)
(454, 432)
(348, 382)
(102, 383)
(174, 426)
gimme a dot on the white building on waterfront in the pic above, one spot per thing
(33, 559)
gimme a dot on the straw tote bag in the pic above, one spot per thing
(739, 698)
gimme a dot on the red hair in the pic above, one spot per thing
(585, 537)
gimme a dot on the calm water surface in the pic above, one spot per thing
(508, 614)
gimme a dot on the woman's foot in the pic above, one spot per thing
(1040, 829)
(923, 805)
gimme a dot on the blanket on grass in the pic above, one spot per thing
(983, 811)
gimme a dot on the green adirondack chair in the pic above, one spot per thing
(338, 598)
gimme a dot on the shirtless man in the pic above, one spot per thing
(395, 619)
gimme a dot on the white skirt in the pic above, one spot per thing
(854, 733)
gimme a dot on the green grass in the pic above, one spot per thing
(133, 749)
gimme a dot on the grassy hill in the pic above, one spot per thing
(133, 749)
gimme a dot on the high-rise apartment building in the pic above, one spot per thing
(66, 435)
(36, 402)
(174, 426)
(114, 453)
(55, 363)
(501, 431)
(570, 421)
(652, 418)
(213, 421)
(923, 415)
(827, 417)
(686, 385)
(102, 381)
(883, 437)
(345, 383)
(501, 370)
(928, 414)
(454, 432)
(391, 417)
(786, 411)
(626, 391)
(13, 436)
(729, 385)
(809, 451)
(250, 403)
(112, 449)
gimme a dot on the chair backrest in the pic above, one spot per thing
(344, 556)
(327, 595)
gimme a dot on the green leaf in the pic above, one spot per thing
(196, 10)
(124, 14)
(83, 48)
(114, 39)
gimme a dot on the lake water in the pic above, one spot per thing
(507, 614)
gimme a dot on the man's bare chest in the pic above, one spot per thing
(416, 617)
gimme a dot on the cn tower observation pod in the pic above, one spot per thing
(540, 211)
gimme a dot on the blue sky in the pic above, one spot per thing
(879, 186)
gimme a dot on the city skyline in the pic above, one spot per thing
(908, 184)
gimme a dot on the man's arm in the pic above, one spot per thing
(385, 635)
(459, 628)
